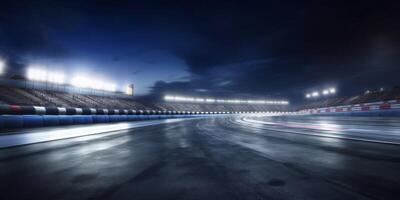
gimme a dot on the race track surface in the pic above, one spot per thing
(258, 158)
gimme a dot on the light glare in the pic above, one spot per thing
(324, 92)
(232, 101)
(83, 82)
(37, 74)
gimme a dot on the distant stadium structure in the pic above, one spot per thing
(368, 96)
(48, 98)
(27, 92)
(130, 90)
(222, 101)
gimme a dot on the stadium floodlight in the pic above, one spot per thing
(210, 100)
(110, 87)
(308, 96)
(37, 74)
(315, 94)
(332, 90)
(179, 99)
(285, 102)
(199, 100)
(55, 77)
(169, 98)
(81, 82)
(325, 92)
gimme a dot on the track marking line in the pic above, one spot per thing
(250, 123)
(38, 136)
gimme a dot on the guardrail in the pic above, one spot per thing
(39, 110)
(16, 117)
(381, 108)
(30, 121)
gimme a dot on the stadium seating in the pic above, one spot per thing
(367, 97)
(53, 99)
(47, 98)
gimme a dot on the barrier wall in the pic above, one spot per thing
(29, 121)
(38, 110)
(381, 108)
(15, 117)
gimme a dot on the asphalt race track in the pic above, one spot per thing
(216, 158)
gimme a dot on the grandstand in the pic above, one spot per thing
(44, 88)
(25, 95)
(367, 97)
(48, 98)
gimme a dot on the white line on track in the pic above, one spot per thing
(252, 123)
(37, 136)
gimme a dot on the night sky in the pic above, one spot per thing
(247, 49)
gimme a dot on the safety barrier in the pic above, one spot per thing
(33, 120)
(381, 108)
(14, 116)
(101, 119)
(66, 119)
(30, 121)
(39, 110)
(51, 120)
(13, 121)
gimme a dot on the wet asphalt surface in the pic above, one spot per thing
(216, 158)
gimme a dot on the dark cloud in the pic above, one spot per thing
(230, 48)
(351, 44)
